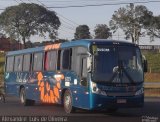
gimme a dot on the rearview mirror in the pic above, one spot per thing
(94, 50)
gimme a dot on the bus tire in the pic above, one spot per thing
(67, 102)
(2, 97)
(24, 101)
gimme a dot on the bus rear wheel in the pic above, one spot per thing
(67, 102)
(2, 98)
(24, 101)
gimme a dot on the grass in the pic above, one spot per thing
(152, 77)
(154, 92)
(2, 59)
(153, 74)
(153, 59)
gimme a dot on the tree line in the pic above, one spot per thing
(22, 21)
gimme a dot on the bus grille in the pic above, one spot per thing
(121, 94)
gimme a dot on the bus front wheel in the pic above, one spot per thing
(23, 99)
(67, 99)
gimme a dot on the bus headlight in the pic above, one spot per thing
(94, 87)
(96, 90)
(139, 92)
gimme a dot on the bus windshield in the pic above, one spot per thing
(117, 64)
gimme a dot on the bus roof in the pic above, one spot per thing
(82, 42)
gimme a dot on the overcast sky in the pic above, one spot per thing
(74, 16)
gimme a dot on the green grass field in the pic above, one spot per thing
(2, 63)
(153, 59)
(153, 74)
(2, 59)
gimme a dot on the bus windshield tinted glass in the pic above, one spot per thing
(120, 64)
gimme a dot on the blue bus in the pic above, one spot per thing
(87, 74)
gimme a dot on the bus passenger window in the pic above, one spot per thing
(84, 72)
(18, 63)
(10, 64)
(46, 67)
(66, 59)
(59, 60)
(84, 68)
(50, 61)
(37, 65)
(27, 62)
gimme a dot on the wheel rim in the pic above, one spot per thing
(22, 97)
(67, 103)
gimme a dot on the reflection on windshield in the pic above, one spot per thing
(118, 64)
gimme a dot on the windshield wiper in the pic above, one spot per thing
(118, 70)
(125, 72)
(114, 75)
(128, 76)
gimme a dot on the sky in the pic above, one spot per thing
(74, 16)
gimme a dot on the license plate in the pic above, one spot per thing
(121, 101)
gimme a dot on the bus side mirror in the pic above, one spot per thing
(145, 65)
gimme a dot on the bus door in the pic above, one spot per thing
(83, 87)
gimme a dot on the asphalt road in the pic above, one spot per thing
(12, 110)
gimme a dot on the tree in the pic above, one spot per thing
(61, 41)
(152, 25)
(27, 19)
(102, 31)
(82, 32)
(29, 44)
(131, 20)
(2, 35)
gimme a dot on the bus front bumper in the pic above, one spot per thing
(104, 102)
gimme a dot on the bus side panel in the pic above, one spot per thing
(50, 86)
(44, 87)
(32, 92)
(10, 83)
(80, 94)
(15, 81)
